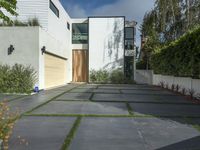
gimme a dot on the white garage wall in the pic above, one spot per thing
(26, 43)
(106, 43)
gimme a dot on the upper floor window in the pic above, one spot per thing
(54, 9)
(129, 33)
(79, 33)
(68, 26)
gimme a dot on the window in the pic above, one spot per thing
(79, 33)
(68, 26)
(129, 33)
(54, 9)
(129, 44)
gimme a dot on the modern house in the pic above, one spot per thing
(63, 49)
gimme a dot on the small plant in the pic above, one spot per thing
(198, 96)
(33, 22)
(184, 91)
(162, 84)
(117, 77)
(101, 76)
(17, 79)
(177, 88)
(173, 87)
(191, 92)
(6, 124)
(30, 22)
(167, 86)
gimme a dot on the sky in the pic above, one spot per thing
(132, 9)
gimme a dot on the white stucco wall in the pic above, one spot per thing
(26, 44)
(106, 43)
(54, 46)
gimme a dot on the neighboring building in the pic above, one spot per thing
(64, 49)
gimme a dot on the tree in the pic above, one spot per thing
(168, 21)
(10, 7)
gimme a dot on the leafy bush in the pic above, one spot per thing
(141, 65)
(17, 79)
(6, 123)
(30, 22)
(117, 77)
(101, 76)
(179, 58)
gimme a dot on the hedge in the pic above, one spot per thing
(179, 58)
(17, 79)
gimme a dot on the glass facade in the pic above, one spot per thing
(129, 44)
(129, 32)
(79, 33)
(129, 52)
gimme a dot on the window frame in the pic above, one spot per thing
(87, 34)
(57, 13)
(126, 34)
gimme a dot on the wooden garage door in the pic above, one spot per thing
(80, 66)
(55, 71)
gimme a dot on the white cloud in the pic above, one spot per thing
(77, 11)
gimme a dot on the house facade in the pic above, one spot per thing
(63, 49)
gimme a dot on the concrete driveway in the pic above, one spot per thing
(106, 117)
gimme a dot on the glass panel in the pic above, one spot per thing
(79, 33)
(54, 9)
(129, 33)
(129, 44)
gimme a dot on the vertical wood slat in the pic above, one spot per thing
(80, 65)
(55, 71)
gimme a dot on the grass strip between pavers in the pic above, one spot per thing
(130, 109)
(71, 134)
(86, 115)
(196, 126)
(50, 100)
(110, 115)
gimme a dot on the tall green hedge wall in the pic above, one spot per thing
(180, 58)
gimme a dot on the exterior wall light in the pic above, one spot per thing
(43, 50)
(10, 49)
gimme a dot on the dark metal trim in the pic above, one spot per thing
(46, 52)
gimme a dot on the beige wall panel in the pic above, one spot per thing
(55, 71)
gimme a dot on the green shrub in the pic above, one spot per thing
(142, 65)
(30, 22)
(17, 79)
(117, 77)
(33, 22)
(179, 58)
(100, 76)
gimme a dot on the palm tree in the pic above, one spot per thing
(10, 7)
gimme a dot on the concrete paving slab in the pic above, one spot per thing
(107, 134)
(168, 134)
(29, 102)
(64, 107)
(89, 86)
(148, 92)
(75, 96)
(140, 98)
(130, 87)
(82, 90)
(41, 133)
(6, 97)
(166, 109)
(111, 91)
